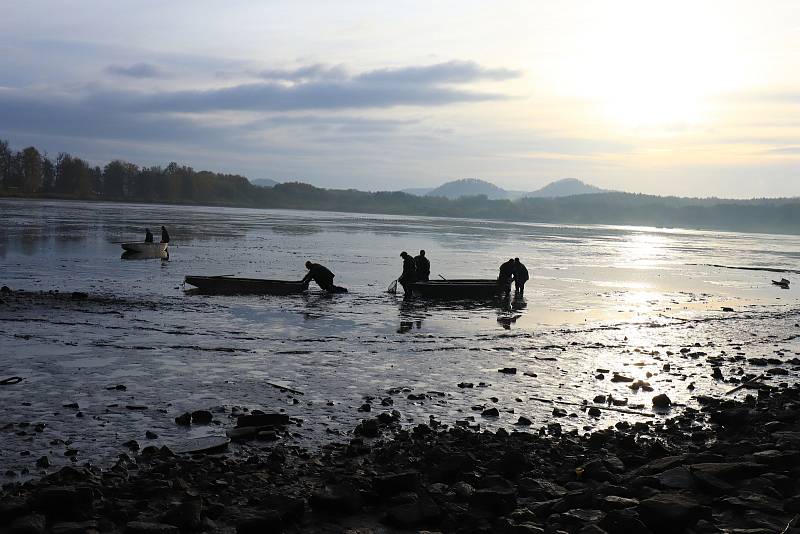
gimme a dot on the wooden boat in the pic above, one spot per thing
(457, 289)
(229, 285)
(145, 248)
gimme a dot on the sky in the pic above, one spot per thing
(695, 98)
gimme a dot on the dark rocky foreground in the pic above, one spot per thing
(731, 467)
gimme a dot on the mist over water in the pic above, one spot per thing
(609, 298)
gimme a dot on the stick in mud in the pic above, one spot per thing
(284, 388)
(745, 384)
(609, 408)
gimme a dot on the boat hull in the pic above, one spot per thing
(229, 285)
(145, 248)
(458, 289)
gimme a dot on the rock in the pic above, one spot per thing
(600, 399)
(491, 412)
(366, 407)
(150, 435)
(594, 411)
(202, 417)
(290, 509)
(72, 527)
(184, 420)
(264, 523)
(396, 482)
(421, 511)
(66, 502)
(621, 378)
(43, 462)
(264, 419)
(508, 370)
(29, 524)
(559, 412)
(244, 433)
(523, 421)
(336, 499)
(662, 401)
(676, 478)
(144, 527)
(187, 515)
(465, 385)
(671, 512)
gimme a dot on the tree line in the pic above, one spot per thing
(31, 173)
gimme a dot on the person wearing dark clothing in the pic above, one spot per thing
(148, 235)
(409, 275)
(322, 276)
(520, 277)
(506, 274)
(423, 266)
(164, 235)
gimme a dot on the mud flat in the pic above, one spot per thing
(731, 466)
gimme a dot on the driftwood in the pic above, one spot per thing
(792, 524)
(603, 407)
(745, 384)
(11, 381)
(284, 388)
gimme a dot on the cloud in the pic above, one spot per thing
(137, 70)
(452, 72)
(791, 150)
(303, 74)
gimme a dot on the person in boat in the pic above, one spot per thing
(520, 277)
(148, 235)
(322, 276)
(409, 275)
(423, 266)
(164, 235)
(506, 275)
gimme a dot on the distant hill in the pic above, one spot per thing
(564, 188)
(469, 187)
(264, 182)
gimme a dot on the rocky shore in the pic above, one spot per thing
(730, 467)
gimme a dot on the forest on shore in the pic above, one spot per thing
(30, 173)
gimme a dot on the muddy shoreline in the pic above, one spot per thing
(728, 467)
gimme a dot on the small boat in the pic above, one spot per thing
(145, 248)
(230, 285)
(457, 289)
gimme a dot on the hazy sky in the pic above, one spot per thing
(692, 98)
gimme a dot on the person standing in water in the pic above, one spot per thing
(164, 235)
(505, 276)
(148, 235)
(423, 266)
(409, 275)
(520, 277)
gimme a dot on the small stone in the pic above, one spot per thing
(559, 412)
(491, 412)
(508, 370)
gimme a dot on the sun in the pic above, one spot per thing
(646, 64)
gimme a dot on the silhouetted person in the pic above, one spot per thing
(164, 235)
(409, 275)
(322, 276)
(423, 266)
(505, 276)
(148, 235)
(520, 277)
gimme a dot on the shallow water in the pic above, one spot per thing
(613, 298)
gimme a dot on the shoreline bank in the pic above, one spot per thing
(728, 467)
